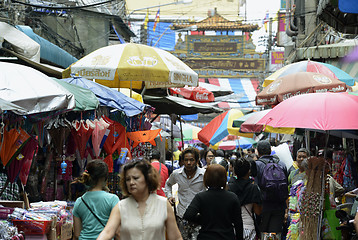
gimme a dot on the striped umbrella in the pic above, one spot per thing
(311, 66)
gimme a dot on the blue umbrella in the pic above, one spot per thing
(110, 97)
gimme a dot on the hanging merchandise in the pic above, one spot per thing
(29, 152)
(59, 130)
(115, 140)
(81, 133)
(22, 162)
(99, 130)
(311, 199)
(13, 140)
(144, 136)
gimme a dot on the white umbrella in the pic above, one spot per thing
(32, 90)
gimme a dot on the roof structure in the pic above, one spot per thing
(216, 23)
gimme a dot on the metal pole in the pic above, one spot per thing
(181, 132)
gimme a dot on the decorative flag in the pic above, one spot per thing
(156, 20)
(266, 20)
(146, 19)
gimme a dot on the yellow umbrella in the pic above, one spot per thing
(128, 65)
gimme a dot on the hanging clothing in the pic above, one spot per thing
(81, 133)
(99, 130)
(17, 164)
(13, 140)
(116, 140)
(144, 136)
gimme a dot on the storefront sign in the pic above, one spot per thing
(277, 57)
(215, 47)
(229, 64)
(212, 46)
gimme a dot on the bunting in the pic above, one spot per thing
(146, 19)
(156, 21)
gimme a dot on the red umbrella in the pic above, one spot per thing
(297, 84)
(323, 111)
(198, 94)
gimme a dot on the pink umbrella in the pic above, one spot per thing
(251, 124)
(323, 111)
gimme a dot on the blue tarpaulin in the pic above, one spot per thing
(163, 37)
(348, 6)
(110, 97)
(49, 51)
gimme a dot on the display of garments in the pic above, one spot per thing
(101, 204)
(12, 142)
(81, 133)
(144, 136)
(99, 130)
(150, 226)
(116, 140)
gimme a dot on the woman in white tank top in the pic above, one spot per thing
(143, 215)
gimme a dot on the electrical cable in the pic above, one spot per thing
(64, 8)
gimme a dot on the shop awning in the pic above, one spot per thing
(85, 98)
(49, 51)
(244, 90)
(336, 50)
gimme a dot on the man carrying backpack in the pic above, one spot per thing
(272, 180)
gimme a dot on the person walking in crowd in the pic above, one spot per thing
(299, 173)
(92, 210)
(249, 196)
(162, 170)
(272, 180)
(209, 155)
(216, 210)
(190, 182)
(144, 214)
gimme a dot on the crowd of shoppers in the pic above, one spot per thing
(241, 196)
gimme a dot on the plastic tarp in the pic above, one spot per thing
(6, 105)
(177, 105)
(348, 6)
(33, 90)
(49, 51)
(21, 43)
(85, 98)
(109, 97)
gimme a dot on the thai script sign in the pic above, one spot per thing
(230, 64)
(277, 57)
(215, 47)
(94, 73)
(142, 62)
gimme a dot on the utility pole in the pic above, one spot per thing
(268, 50)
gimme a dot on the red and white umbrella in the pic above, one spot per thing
(198, 94)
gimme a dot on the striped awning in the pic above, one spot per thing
(244, 90)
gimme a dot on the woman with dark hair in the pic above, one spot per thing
(92, 210)
(144, 214)
(209, 155)
(249, 195)
(216, 210)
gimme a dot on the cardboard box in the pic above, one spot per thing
(13, 204)
(66, 231)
